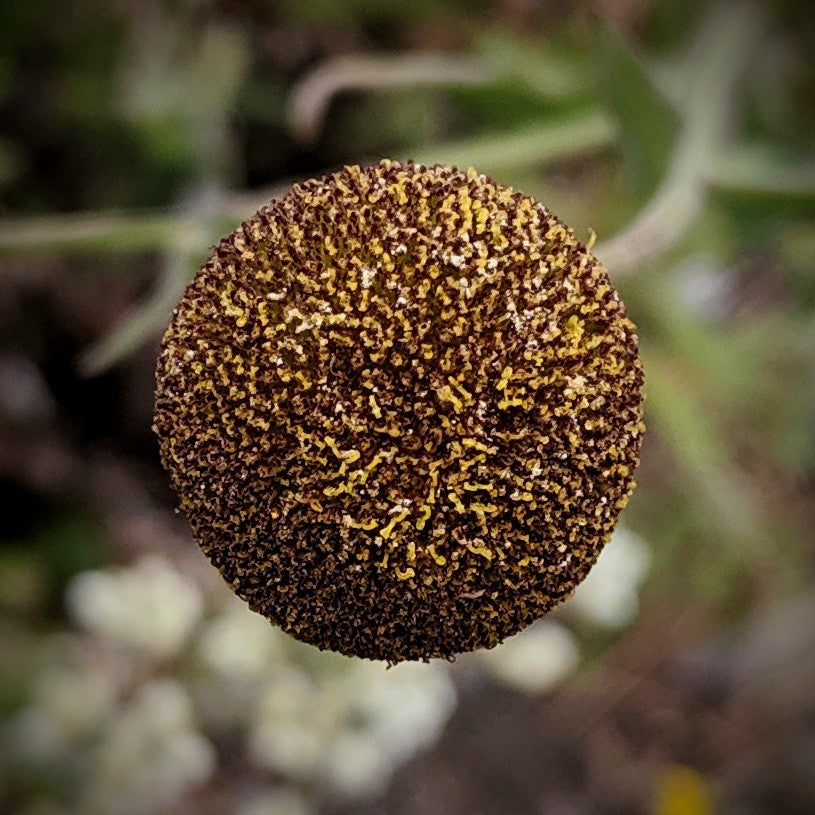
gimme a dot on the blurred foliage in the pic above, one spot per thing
(148, 130)
(648, 124)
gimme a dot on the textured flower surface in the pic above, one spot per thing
(401, 408)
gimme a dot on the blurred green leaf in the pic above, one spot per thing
(707, 346)
(383, 124)
(90, 232)
(261, 99)
(543, 69)
(66, 542)
(21, 657)
(501, 104)
(702, 454)
(723, 47)
(667, 22)
(648, 124)
(71, 543)
(796, 247)
(22, 583)
(777, 405)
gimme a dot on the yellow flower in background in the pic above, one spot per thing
(401, 408)
(681, 790)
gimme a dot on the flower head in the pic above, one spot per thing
(401, 409)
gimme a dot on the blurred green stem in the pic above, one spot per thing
(311, 97)
(144, 320)
(534, 145)
(756, 169)
(132, 231)
(125, 232)
(727, 41)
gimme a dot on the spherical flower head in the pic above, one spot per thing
(401, 408)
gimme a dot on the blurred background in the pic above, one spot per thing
(680, 679)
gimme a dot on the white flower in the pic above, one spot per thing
(150, 756)
(287, 733)
(356, 765)
(608, 596)
(150, 605)
(240, 642)
(78, 700)
(353, 726)
(281, 801)
(535, 660)
(68, 705)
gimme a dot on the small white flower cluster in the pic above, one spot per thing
(351, 727)
(69, 706)
(240, 644)
(346, 724)
(128, 739)
(133, 755)
(280, 801)
(704, 287)
(151, 754)
(151, 606)
(157, 679)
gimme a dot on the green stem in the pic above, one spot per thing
(143, 321)
(724, 49)
(131, 231)
(535, 145)
(124, 232)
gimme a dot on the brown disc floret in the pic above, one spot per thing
(401, 408)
